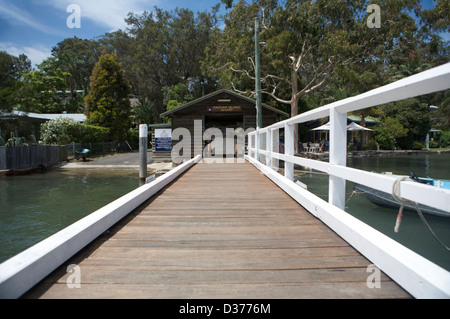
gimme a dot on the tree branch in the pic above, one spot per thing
(272, 94)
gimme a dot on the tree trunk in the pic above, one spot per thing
(294, 106)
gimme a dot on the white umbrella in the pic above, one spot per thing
(351, 127)
(325, 127)
(355, 127)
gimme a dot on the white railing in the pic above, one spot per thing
(265, 142)
(24, 270)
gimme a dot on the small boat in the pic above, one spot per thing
(387, 200)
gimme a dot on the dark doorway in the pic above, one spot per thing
(223, 122)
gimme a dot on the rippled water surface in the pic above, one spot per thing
(33, 207)
(413, 233)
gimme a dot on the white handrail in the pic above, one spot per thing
(420, 277)
(24, 270)
(429, 81)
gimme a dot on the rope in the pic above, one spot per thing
(353, 193)
(396, 195)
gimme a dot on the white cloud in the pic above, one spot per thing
(17, 16)
(36, 54)
(106, 12)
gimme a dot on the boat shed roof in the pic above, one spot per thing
(221, 92)
(16, 114)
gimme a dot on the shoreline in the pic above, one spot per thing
(374, 153)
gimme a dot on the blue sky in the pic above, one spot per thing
(33, 27)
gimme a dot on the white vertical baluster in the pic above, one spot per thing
(269, 148)
(289, 150)
(257, 144)
(338, 156)
(275, 147)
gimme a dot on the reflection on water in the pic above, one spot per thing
(33, 207)
(413, 233)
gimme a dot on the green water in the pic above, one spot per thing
(413, 234)
(33, 207)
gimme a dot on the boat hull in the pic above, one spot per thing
(387, 200)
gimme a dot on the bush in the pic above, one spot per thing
(371, 145)
(384, 139)
(434, 144)
(53, 132)
(417, 146)
(63, 131)
(82, 133)
(405, 142)
(445, 139)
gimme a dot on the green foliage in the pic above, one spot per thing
(40, 89)
(83, 133)
(143, 111)
(54, 132)
(11, 72)
(412, 114)
(162, 49)
(386, 133)
(176, 95)
(438, 17)
(63, 131)
(107, 103)
(77, 57)
(433, 144)
(371, 145)
(445, 139)
(417, 146)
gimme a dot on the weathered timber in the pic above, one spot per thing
(219, 231)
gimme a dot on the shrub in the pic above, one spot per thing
(371, 145)
(384, 139)
(434, 144)
(417, 146)
(63, 131)
(445, 139)
(53, 132)
(82, 133)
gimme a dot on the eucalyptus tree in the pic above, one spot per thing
(304, 43)
(12, 70)
(160, 49)
(77, 57)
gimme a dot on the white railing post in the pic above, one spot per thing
(338, 156)
(269, 148)
(253, 144)
(275, 147)
(289, 150)
(257, 144)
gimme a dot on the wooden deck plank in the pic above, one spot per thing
(219, 231)
(345, 290)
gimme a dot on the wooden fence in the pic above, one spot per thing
(24, 157)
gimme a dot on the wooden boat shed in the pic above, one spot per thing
(221, 109)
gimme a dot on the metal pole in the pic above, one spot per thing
(258, 75)
(143, 142)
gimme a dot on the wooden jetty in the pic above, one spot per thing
(242, 230)
(219, 231)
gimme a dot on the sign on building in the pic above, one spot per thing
(163, 140)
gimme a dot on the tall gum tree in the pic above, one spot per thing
(302, 43)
